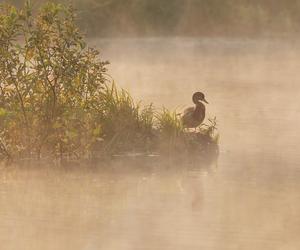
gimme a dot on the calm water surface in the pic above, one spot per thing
(250, 199)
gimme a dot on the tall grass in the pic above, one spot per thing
(125, 125)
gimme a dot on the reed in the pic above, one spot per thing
(125, 125)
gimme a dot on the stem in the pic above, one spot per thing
(52, 87)
(21, 101)
(4, 149)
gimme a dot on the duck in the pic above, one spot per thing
(193, 116)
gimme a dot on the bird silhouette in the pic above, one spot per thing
(193, 116)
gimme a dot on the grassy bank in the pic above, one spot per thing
(58, 101)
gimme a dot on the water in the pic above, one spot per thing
(248, 200)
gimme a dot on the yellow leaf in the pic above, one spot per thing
(29, 54)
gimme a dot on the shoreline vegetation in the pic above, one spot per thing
(57, 100)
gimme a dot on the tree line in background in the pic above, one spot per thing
(184, 17)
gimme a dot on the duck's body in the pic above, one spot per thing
(193, 116)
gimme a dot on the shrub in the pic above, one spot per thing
(50, 82)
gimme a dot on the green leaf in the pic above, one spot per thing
(3, 112)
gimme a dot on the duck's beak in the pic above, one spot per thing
(205, 101)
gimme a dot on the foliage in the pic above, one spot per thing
(125, 125)
(57, 100)
(169, 123)
(49, 81)
(209, 130)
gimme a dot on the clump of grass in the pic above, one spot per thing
(169, 123)
(206, 139)
(170, 130)
(210, 129)
(125, 125)
(174, 138)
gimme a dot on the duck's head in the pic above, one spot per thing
(199, 96)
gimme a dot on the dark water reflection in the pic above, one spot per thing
(248, 200)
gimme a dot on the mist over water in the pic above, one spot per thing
(249, 199)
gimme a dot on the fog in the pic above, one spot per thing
(206, 18)
(248, 199)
